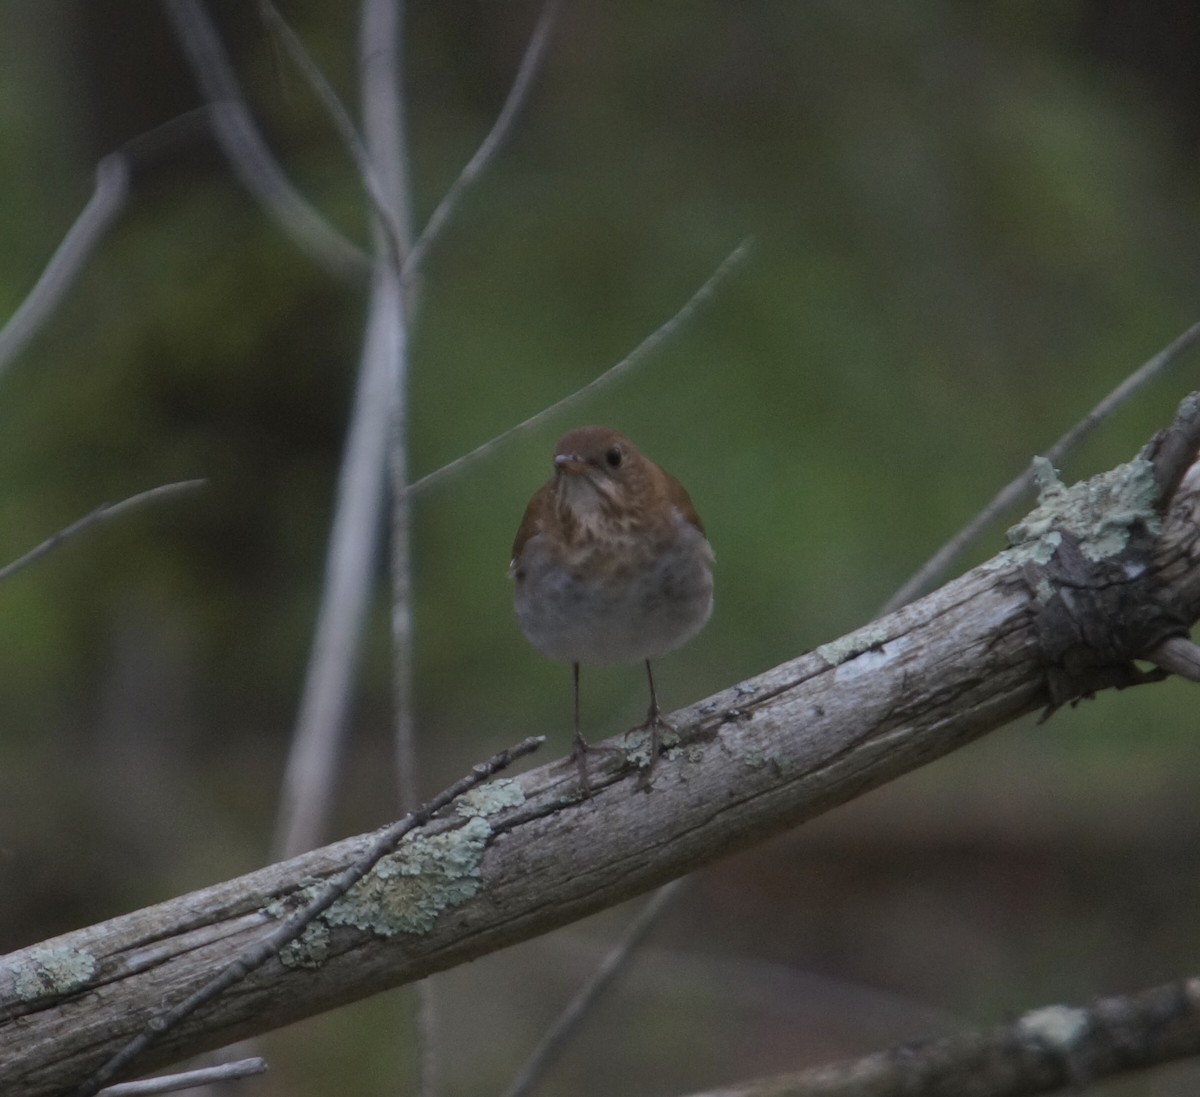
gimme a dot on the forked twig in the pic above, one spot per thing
(386, 176)
(100, 514)
(348, 132)
(263, 950)
(1009, 494)
(517, 94)
(246, 149)
(355, 532)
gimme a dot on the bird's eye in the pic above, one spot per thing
(613, 457)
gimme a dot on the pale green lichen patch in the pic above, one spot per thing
(853, 644)
(1099, 513)
(408, 889)
(54, 971)
(404, 893)
(1057, 1026)
(309, 949)
(490, 798)
(637, 748)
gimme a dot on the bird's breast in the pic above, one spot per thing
(620, 598)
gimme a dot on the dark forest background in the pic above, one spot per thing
(970, 220)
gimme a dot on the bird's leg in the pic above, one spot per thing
(653, 722)
(580, 747)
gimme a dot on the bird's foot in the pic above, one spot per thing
(580, 749)
(658, 729)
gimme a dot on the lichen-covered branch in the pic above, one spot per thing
(1047, 1050)
(526, 855)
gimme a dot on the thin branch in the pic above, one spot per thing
(108, 199)
(100, 514)
(188, 1079)
(350, 564)
(548, 1049)
(246, 149)
(354, 537)
(531, 62)
(380, 63)
(382, 90)
(375, 188)
(1047, 1050)
(646, 347)
(1008, 495)
(288, 931)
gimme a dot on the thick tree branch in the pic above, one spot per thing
(296, 924)
(1010, 637)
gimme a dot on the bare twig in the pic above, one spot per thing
(100, 514)
(247, 151)
(1008, 495)
(647, 346)
(108, 199)
(547, 1051)
(374, 185)
(188, 1079)
(515, 100)
(257, 955)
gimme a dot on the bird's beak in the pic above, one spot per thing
(570, 463)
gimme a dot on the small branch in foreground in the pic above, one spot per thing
(188, 1079)
(651, 343)
(100, 514)
(294, 926)
(1048, 1049)
(1011, 492)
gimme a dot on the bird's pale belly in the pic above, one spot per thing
(597, 614)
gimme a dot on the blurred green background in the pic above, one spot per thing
(970, 223)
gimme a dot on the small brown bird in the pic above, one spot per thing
(611, 565)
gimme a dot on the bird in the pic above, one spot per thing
(611, 565)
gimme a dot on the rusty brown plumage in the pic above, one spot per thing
(611, 562)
